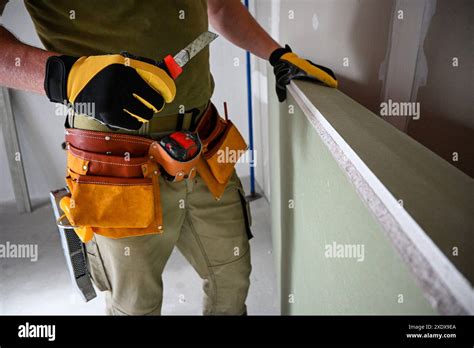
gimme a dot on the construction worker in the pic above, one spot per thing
(82, 61)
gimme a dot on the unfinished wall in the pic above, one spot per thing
(446, 125)
(352, 37)
(348, 36)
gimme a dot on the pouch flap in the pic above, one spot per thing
(83, 162)
(225, 154)
(111, 202)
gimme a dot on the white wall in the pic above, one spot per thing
(41, 133)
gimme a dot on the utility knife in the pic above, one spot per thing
(175, 64)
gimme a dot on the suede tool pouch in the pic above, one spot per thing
(223, 152)
(108, 202)
(216, 188)
(222, 143)
(114, 185)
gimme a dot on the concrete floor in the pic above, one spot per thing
(44, 287)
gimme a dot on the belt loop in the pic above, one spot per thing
(197, 113)
(147, 128)
(194, 115)
(69, 123)
(179, 125)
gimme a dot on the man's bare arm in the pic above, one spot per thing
(21, 66)
(232, 20)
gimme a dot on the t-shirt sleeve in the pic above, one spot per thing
(2, 6)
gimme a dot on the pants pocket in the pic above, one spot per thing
(96, 266)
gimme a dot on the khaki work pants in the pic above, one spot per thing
(213, 235)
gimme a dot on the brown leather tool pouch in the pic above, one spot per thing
(115, 192)
(175, 170)
(222, 146)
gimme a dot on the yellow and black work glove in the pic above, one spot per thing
(288, 66)
(118, 90)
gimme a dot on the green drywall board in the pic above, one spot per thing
(438, 196)
(327, 209)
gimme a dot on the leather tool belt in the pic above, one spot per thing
(113, 179)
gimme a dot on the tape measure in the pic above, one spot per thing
(181, 145)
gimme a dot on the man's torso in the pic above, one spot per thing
(148, 28)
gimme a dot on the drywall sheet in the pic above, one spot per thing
(334, 257)
(437, 195)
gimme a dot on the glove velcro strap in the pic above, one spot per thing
(55, 82)
(276, 55)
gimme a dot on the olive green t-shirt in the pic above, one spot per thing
(148, 28)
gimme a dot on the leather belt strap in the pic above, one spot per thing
(104, 154)
(106, 150)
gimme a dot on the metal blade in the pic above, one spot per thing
(186, 54)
